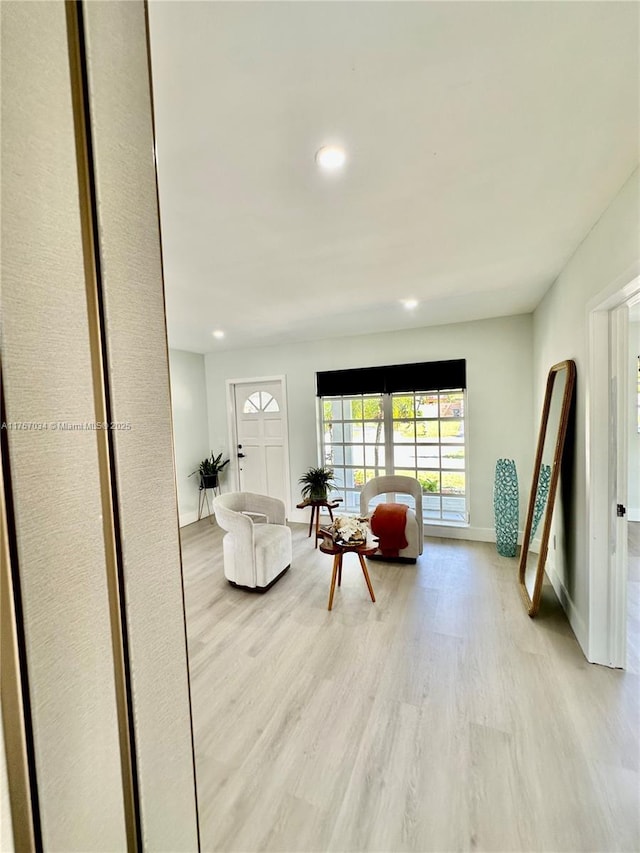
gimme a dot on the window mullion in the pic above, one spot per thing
(440, 451)
(387, 413)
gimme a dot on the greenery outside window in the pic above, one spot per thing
(415, 434)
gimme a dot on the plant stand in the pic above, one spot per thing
(316, 505)
(204, 499)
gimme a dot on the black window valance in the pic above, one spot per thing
(421, 376)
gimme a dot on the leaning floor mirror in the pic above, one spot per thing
(546, 471)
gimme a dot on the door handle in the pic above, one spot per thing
(241, 455)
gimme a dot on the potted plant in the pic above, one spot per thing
(316, 482)
(209, 470)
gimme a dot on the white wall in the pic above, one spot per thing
(633, 497)
(498, 354)
(190, 430)
(560, 331)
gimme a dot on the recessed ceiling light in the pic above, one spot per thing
(410, 304)
(218, 333)
(330, 158)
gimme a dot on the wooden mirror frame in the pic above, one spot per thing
(533, 603)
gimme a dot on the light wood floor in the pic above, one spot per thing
(440, 718)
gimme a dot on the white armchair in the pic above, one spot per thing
(414, 526)
(257, 545)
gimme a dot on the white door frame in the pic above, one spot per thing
(233, 435)
(607, 571)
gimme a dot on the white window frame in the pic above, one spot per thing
(389, 462)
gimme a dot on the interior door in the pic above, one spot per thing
(618, 413)
(260, 422)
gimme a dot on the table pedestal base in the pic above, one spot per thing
(337, 573)
(338, 550)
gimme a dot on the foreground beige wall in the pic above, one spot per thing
(55, 474)
(69, 555)
(138, 370)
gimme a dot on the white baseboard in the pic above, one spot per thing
(473, 534)
(188, 517)
(633, 513)
(575, 620)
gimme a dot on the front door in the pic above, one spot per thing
(261, 435)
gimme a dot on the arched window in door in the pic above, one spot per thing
(260, 401)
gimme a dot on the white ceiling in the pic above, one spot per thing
(485, 139)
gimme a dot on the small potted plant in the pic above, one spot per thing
(316, 482)
(209, 470)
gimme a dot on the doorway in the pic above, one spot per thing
(258, 434)
(633, 490)
(608, 474)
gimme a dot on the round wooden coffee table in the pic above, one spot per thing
(338, 548)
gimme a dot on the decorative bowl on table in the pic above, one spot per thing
(349, 530)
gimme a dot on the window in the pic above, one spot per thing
(353, 438)
(418, 434)
(429, 444)
(260, 401)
